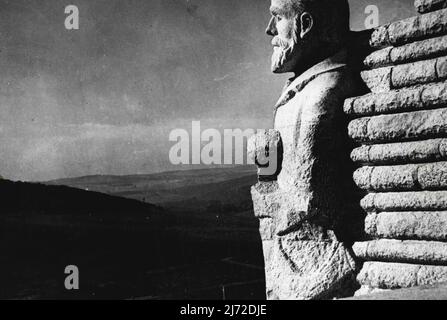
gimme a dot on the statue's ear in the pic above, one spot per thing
(306, 23)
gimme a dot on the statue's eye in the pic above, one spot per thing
(278, 18)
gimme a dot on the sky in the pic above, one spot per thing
(103, 99)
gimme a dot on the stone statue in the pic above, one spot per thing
(305, 177)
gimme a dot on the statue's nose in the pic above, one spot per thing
(271, 28)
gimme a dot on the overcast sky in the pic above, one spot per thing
(103, 99)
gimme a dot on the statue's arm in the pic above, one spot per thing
(318, 145)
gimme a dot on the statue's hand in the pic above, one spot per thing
(265, 150)
(289, 220)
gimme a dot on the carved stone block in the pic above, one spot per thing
(429, 225)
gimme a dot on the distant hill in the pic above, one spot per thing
(186, 189)
(39, 198)
(127, 248)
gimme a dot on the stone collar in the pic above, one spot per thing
(294, 86)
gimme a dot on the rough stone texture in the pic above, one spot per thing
(300, 211)
(415, 73)
(430, 225)
(271, 205)
(429, 293)
(380, 37)
(303, 206)
(434, 95)
(403, 177)
(400, 153)
(424, 6)
(441, 68)
(264, 149)
(432, 176)
(378, 80)
(379, 58)
(385, 275)
(303, 209)
(410, 30)
(386, 178)
(367, 291)
(305, 268)
(412, 99)
(266, 229)
(358, 129)
(419, 50)
(405, 75)
(405, 201)
(426, 252)
(400, 127)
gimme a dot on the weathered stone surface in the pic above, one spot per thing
(400, 153)
(420, 97)
(304, 205)
(416, 73)
(367, 291)
(441, 68)
(430, 225)
(415, 51)
(400, 127)
(386, 178)
(432, 176)
(302, 208)
(385, 275)
(420, 50)
(380, 37)
(277, 213)
(434, 95)
(422, 252)
(424, 6)
(379, 58)
(358, 129)
(388, 78)
(266, 229)
(410, 30)
(388, 275)
(265, 149)
(266, 199)
(430, 293)
(279, 216)
(301, 270)
(378, 80)
(407, 103)
(405, 201)
(403, 177)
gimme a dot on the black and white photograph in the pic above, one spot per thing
(249, 151)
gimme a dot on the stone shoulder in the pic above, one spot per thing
(326, 91)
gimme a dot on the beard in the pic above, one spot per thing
(283, 55)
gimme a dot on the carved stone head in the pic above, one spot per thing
(306, 32)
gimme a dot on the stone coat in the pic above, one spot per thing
(301, 214)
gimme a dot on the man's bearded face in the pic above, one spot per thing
(284, 29)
